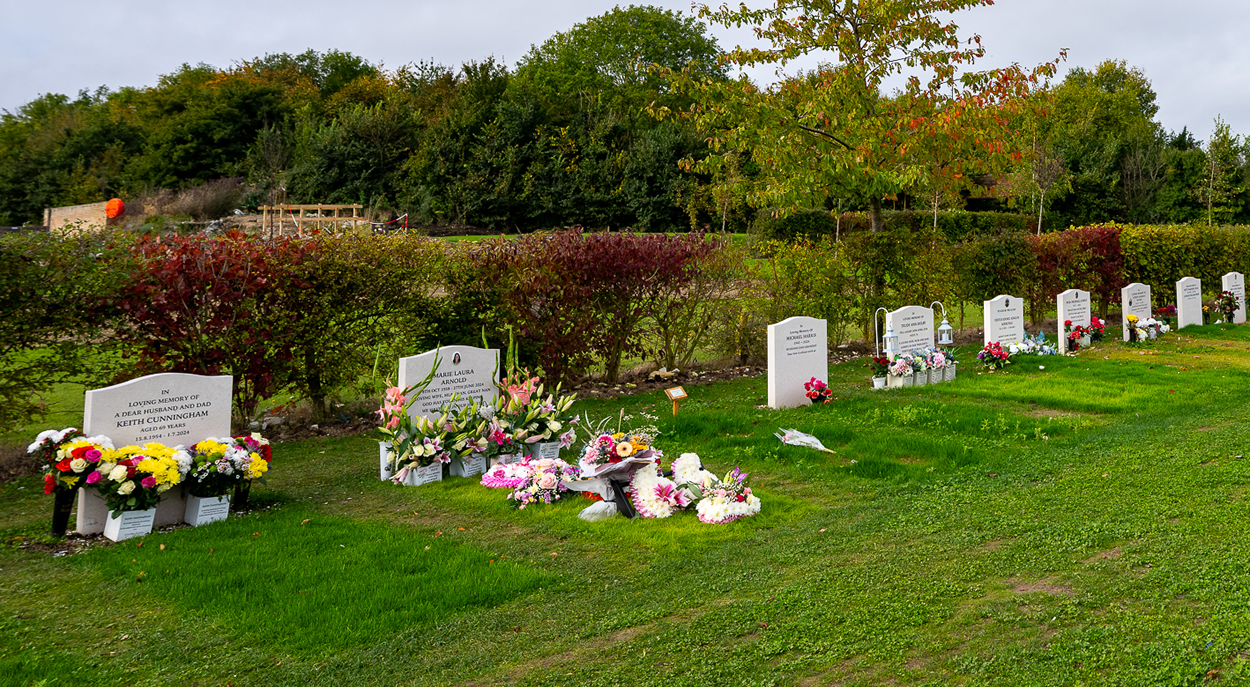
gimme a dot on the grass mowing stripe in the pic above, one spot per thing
(328, 584)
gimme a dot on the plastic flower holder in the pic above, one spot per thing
(128, 524)
(202, 510)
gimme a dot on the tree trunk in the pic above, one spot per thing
(1041, 205)
(878, 223)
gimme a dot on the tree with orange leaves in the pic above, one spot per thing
(832, 130)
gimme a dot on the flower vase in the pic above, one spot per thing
(129, 523)
(202, 510)
(879, 382)
(899, 382)
(921, 378)
(544, 449)
(1083, 341)
(61, 509)
(949, 372)
(241, 494)
(1132, 334)
(468, 466)
(384, 459)
(1206, 318)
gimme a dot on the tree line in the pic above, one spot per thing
(632, 119)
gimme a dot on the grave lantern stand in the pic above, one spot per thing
(890, 340)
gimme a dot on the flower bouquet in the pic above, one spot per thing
(131, 480)
(544, 483)
(64, 471)
(936, 361)
(493, 435)
(542, 422)
(818, 391)
(255, 443)
(609, 449)
(1032, 345)
(919, 368)
(1167, 312)
(901, 372)
(992, 357)
(880, 370)
(655, 496)
(720, 500)
(218, 466)
(1227, 304)
(1097, 329)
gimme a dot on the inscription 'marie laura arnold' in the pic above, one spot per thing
(797, 351)
(1188, 302)
(464, 370)
(1072, 306)
(171, 408)
(914, 326)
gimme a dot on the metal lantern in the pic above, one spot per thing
(890, 340)
(946, 335)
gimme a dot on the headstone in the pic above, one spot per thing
(913, 324)
(797, 351)
(1136, 300)
(1188, 302)
(1073, 306)
(465, 370)
(1004, 320)
(1236, 282)
(172, 409)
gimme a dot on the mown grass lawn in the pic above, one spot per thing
(1078, 524)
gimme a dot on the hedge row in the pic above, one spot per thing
(815, 224)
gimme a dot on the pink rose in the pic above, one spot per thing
(92, 455)
(148, 482)
(548, 481)
(93, 477)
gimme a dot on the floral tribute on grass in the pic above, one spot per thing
(992, 357)
(544, 482)
(719, 500)
(1226, 304)
(1148, 329)
(220, 465)
(1035, 345)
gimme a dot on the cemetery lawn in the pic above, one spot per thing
(1078, 524)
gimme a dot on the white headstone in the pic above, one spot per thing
(465, 370)
(797, 351)
(1004, 320)
(1236, 282)
(171, 408)
(1073, 306)
(1188, 302)
(1136, 300)
(914, 326)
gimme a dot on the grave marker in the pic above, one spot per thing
(914, 326)
(1004, 320)
(798, 350)
(1073, 306)
(1136, 300)
(465, 370)
(1188, 302)
(170, 408)
(1236, 282)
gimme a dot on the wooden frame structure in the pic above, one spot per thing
(281, 220)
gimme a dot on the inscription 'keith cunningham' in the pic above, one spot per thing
(161, 418)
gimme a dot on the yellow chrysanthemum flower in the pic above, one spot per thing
(258, 466)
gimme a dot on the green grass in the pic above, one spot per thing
(1078, 524)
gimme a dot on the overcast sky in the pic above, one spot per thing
(1196, 54)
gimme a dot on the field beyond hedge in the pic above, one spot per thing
(1074, 521)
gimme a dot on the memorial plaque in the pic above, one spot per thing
(1004, 320)
(465, 370)
(797, 351)
(1236, 282)
(1073, 306)
(1136, 300)
(171, 408)
(914, 326)
(1188, 302)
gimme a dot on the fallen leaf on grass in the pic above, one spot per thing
(162, 547)
(304, 521)
(554, 554)
(821, 530)
(439, 533)
(763, 624)
(256, 534)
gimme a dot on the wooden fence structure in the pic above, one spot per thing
(298, 220)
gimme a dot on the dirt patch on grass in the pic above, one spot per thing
(1110, 555)
(1045, 585)
(1051, 412)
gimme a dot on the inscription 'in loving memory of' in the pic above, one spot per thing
(156, 411)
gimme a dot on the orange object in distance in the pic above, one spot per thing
(114, 208)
